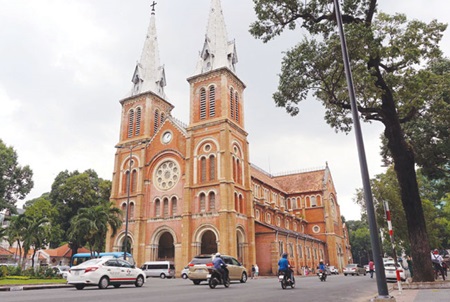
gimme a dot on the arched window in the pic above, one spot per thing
(202, 202)
(236, 99)
(236, 202)
(124, 209)
(126, 181)
(157, 208)
(238, 172)
(212, 201)
(212, 101)
(130, 123)
(166, 207)
(241, 204)
(174, 206)
(203, 169)
(156, 121)
(234, 169)
(231, 103)
(313, 201)
(131, 213)
(212, 167)
(162, 118)
(202, 103)
(133, 181)
(138, 121)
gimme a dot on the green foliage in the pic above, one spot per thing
(72, 191)
(15, 181)
(91, 225)
(400, 79)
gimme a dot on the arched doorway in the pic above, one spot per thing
(209, 243)
(166, 248)
(128, 247)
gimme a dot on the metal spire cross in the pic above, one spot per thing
(153, 6)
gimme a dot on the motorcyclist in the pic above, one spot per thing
(322, 266)
(220, 266)
(283, 266)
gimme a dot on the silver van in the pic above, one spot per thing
(162, 269)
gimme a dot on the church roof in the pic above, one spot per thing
(217, 51)
(149, 74)
(286, 231)
(294, 182)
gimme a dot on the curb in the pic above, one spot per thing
(31, 287)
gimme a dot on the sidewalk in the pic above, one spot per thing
(31, 287)
(437, 291)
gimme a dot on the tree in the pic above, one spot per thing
(15, 181)
(395, 83)
(92, 225)
(72, 191)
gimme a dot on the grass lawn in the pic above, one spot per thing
(10, 281)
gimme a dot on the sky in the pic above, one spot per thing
(65, 65)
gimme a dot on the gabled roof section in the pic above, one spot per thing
(148, 74)
(293, 182)
(217, 51)
(302, 182)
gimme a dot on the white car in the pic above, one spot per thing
(185, 272)
(62, 271)
(103, 272)
(389, 270)
(333, 270)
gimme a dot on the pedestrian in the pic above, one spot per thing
(256, 271)
(410, 265)
(437, 262)
(253, 271)
(371, 268)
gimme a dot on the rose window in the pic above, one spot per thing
(167, 175)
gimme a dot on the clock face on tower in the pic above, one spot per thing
(166, 137)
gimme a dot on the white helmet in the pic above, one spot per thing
(217, 254)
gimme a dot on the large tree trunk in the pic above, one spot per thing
(404, 165)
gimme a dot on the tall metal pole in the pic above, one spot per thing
(376, 250)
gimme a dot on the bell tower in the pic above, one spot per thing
(217, 148)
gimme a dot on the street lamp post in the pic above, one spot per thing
(131, 147)
(383, 292)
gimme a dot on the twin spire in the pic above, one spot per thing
(218, 52)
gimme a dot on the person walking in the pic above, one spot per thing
(253, 272)
(371, 268)
(256, 271)
(410, 265)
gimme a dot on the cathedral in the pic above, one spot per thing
(192, 189)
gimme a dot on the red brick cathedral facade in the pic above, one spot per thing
(191, 189)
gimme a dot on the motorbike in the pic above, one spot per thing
(322, 275)
(215, 278)
(282, 278)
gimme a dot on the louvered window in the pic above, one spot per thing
(174, 206)
(162, 118)
(133, 181)
(212, 168)
(202, 202)
(138, 121)
(231, 103)
(156, 121)
(166, 207)
(203, 169)
(236, 99)
(130, 123)
(157, 208)
(212, 101)
(202, 104)
(212, 201)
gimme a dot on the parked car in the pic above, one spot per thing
(354, 269)
(162, 269)
(61, 270)
(184, 272)
(389, 270)
(103, 272)
(198, 268)
(333, 270)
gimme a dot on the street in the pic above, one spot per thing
(337, 288)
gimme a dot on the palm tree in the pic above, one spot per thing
(91, 224)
